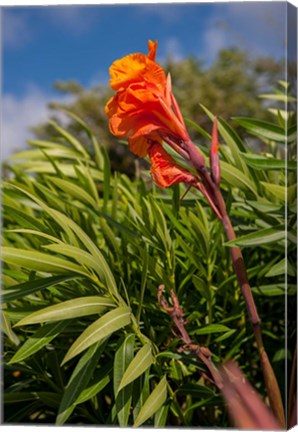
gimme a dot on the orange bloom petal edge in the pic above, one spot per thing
(164, 169)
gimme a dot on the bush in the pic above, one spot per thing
(84, 253)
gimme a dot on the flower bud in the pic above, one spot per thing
(213, 154)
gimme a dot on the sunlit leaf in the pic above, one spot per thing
(123, 357)
(39, 261)
(156, 399)
(137, 366)
(103, 327)
(261, 237)
(81, 306)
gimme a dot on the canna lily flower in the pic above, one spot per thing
(144, 108)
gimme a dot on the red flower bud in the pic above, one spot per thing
(213, 154)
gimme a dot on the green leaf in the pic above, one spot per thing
(6, 328)
(74, 190)
(236, 178)
(212, 328)
(81, 306)
(264, 207)
(202, 287)
(138, 365)
(24, 219)
(122, 359)
(18, 397)
(261, 237)
(140, 392)
(154, 402)
(38, 340)
(103, 327)
(282, 97)
(39, 261)
(266, 163)
(22, 290)
(92, 390)
(273, 290)
(80, 255)
(262, 128)
(106, 181)
(102, 267)
(49, 399)
(78, 381)
(71, 139)
(196, 390)
(278, 269)
(281, 355)
(277, 191)
(198, 128)
(161, 416)
(47, 149)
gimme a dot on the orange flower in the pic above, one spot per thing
(144, 108)
(164, 169)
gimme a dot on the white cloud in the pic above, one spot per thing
(169, 15)
(75, 19)
(19, 114)
(214, 40)
(173, 49)
(256, 27)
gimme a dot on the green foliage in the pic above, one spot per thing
(84, 252)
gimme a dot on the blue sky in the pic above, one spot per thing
(44, 44)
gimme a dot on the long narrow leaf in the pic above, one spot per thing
(81, 306)
(138, 365)
(22, 290)
(123, 357)
(156, 399)
(103, 327)
(39, 261)
(261, 237)
(78, 381)
(38, 340)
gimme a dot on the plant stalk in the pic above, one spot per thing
(241, 274)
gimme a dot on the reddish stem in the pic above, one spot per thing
(241, 274)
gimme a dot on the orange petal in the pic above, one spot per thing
(139, 145)
(164, 169)
(135, 68)
(152, 47)
(126, 70)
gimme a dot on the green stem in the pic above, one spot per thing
(176, 404)
(143, 285)
(209, 302)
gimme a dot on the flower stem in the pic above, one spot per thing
(241, 274)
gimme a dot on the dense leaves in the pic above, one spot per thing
(84, 252)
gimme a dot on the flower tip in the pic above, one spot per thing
(214, 159)
(152, 48)
(214, 143)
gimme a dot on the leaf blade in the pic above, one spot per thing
(154, 402)
(103, 327)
